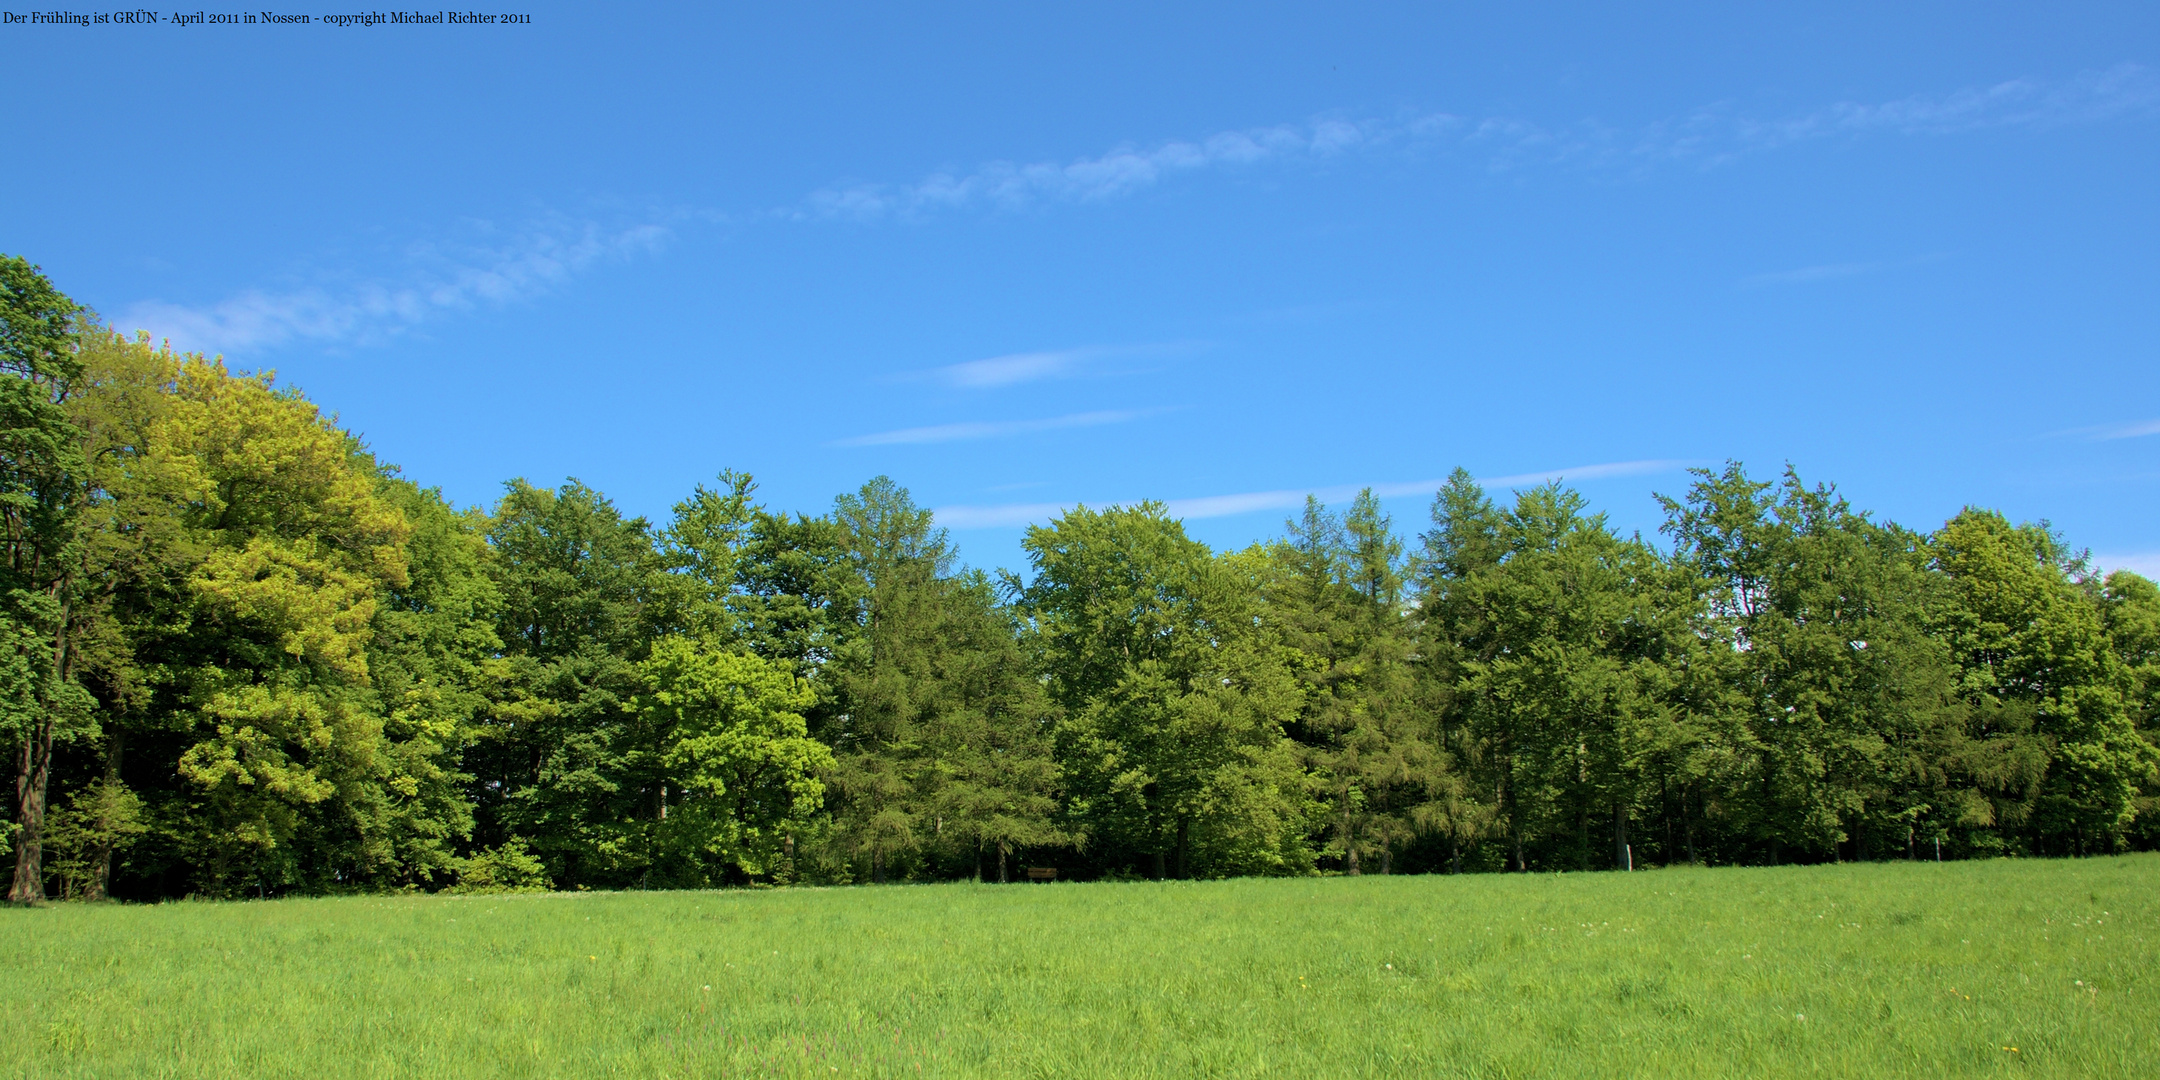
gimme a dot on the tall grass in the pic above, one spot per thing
(1855, 970)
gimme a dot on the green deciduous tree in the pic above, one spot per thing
(2130, 610)
(742, 774)
(42, 487)
(563, 757)
(1572, 654)
(2028, 639)
(1174, 694)
(1853, 743)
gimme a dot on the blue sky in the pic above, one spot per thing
(1018, 257)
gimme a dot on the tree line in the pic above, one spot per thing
(240, 656)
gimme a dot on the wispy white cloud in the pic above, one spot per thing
(1580, 472)
(2144, 563)
(1015, 369)
(1213, 506)
(1120, 171)
(1831, 271)
(2109, 432)
(990, 429)
(439, 278)
(1003, 516)
(1708, 136)
(1811, 273)
(1010, 370)
(1715, 134)
(2088, 97)
(448, 277)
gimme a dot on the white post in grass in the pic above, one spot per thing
(1630, 848)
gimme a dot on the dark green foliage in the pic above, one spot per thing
(245, 658)
(562, 757)
(941, 735)
(44, 482)
(2029, 641)
(1849, 742)
(1174, 689)
(1371, 748)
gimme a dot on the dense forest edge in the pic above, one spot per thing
(240, 656)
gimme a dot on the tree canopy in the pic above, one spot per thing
(241, 656)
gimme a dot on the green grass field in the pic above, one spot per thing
(1856, 970)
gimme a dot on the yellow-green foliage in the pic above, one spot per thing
(298, 538)
(1904, 969)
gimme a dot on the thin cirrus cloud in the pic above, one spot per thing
(2124, 431)
(990, 429)
(1214, 506)
(443, 278)
(1011, 370)
(1121, 171)
(1015, 369)
(2144, 563)
(1833, 271)
(2110, 432)
(1811, 273)
(1708, 136)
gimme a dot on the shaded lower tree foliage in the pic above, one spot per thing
(241, 656)
(1174, 689)
(1370, 749)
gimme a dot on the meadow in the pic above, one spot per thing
(2011, 968)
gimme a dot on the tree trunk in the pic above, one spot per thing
(33, 770)
(99, 885)
(1620, 838)
(1514, 826)
(877, 867)
(1387, 860)
(1004, 876)
(1158, 866)
(1665, 806)
(1349, 848)
(1184, 863)
(1687, 831)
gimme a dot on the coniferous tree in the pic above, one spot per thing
(940, 736)
(1339, 601)
(239, 655)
